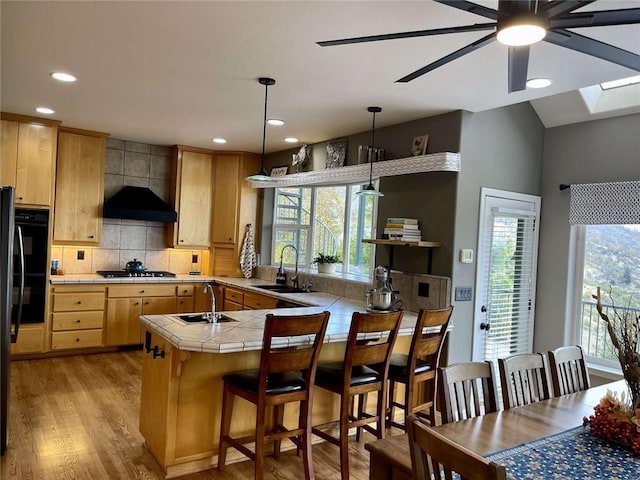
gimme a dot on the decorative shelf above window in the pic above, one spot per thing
(433, 162)
(400, 243)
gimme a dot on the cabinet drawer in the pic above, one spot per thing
(233, 295)
(258, 302)
(76, 339)
(77, 320)
(185, 290)
(66, 302)
(231, 306)
(121, 291)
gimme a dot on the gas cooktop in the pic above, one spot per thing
(123, 273)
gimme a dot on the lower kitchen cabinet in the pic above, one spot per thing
(30, 339)
(77, 317)
(239, 299)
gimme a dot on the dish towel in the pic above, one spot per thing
(248, 257)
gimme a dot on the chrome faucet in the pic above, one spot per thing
(281, 276)
(212, 316)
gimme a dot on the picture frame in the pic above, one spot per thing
(419, 146)
(336, 154)
(278, 171)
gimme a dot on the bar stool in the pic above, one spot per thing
(364, 369)
(286, 375)
(419, 366)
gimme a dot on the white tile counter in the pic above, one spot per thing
(95, 278)
(246, 332)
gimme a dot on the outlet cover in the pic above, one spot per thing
(80, 255)
(194, 258)
(423, 289)
(463, 294)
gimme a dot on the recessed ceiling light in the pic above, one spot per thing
(45, 110)
(219, 140)
(63, 77)
(538, 83)
(291, 139)
(275, 121)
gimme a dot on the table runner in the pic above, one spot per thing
(574, 454)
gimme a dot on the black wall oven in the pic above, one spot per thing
(35, 229)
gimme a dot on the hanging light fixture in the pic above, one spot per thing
(262, 176)
(369, 190)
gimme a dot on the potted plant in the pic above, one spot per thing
(326, 263)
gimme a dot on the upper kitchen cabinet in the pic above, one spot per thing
(28, 156)
(79, 186)
(192, 195)
(235, 204)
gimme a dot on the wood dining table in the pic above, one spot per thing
(493, 432)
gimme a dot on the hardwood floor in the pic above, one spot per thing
(77, 418)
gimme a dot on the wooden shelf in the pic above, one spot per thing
(400, 243)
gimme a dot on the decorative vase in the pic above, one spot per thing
(326, 268)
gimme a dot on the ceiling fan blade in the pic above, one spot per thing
(556, 8)
(473, 8)
(449, 58)
(415, 33)
(595, 48)
(602, 18)
(518, 66)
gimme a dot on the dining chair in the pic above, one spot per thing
(466, 390)
(419, 367)
(364, 369)
(426, 446)
(568, 370)
(286, 374)
(524, 379)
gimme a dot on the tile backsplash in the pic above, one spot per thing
(141, 165)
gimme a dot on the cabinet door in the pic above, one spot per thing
(194, 217)
(184, 305)
(225, 199)
(35, 165)
(158, 305)
(79, 188)
(123, 326)
(9, 153)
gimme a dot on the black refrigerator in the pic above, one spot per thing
(11, 298)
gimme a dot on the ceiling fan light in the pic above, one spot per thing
(520, 35)
(538, 83)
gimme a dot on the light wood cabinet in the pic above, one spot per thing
(28, 158)
(77, 317)
(239, 299)
(192, 197)
(125, 304)
(235, 204)
(30, 339)
(79, 186)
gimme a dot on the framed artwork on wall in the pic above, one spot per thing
(336, 153)
(278, 171)
(419, 146)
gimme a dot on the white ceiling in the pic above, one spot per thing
(185, 72)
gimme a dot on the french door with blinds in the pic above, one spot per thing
(506, 275)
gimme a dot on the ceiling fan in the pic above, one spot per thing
(519, 24)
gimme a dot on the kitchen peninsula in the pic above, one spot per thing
(182, 374)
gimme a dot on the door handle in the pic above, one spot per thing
(485, 326)
(483, 309)
(18, 317)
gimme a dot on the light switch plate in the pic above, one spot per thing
(463, 294)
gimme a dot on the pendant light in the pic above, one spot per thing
(369, 190)
(262, 176)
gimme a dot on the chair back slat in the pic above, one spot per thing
(375, 350)
(303, 357)
(467, 390)
(524, 379)
(568, 370)
(445, 457)
(427, 346)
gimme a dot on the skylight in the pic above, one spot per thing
(623, 82)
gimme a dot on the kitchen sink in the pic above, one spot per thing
(283, 289)
(203, 317)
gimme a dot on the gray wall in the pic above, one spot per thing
(598, 151)
(501, 149)
(429, 197)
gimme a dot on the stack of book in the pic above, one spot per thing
(403, 229)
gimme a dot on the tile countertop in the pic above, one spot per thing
(95, 278)
(246, 332)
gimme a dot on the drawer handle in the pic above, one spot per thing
(181, 241)
(141, 291)
(137, 303)
(79, 302)
(20, 198)
(90, 236)
(77, 339)
(77, 321)
(146, 303)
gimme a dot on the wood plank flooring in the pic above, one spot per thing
(77, 418)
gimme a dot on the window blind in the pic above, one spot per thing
(613, 203)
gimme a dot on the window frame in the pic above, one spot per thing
(346, 241)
